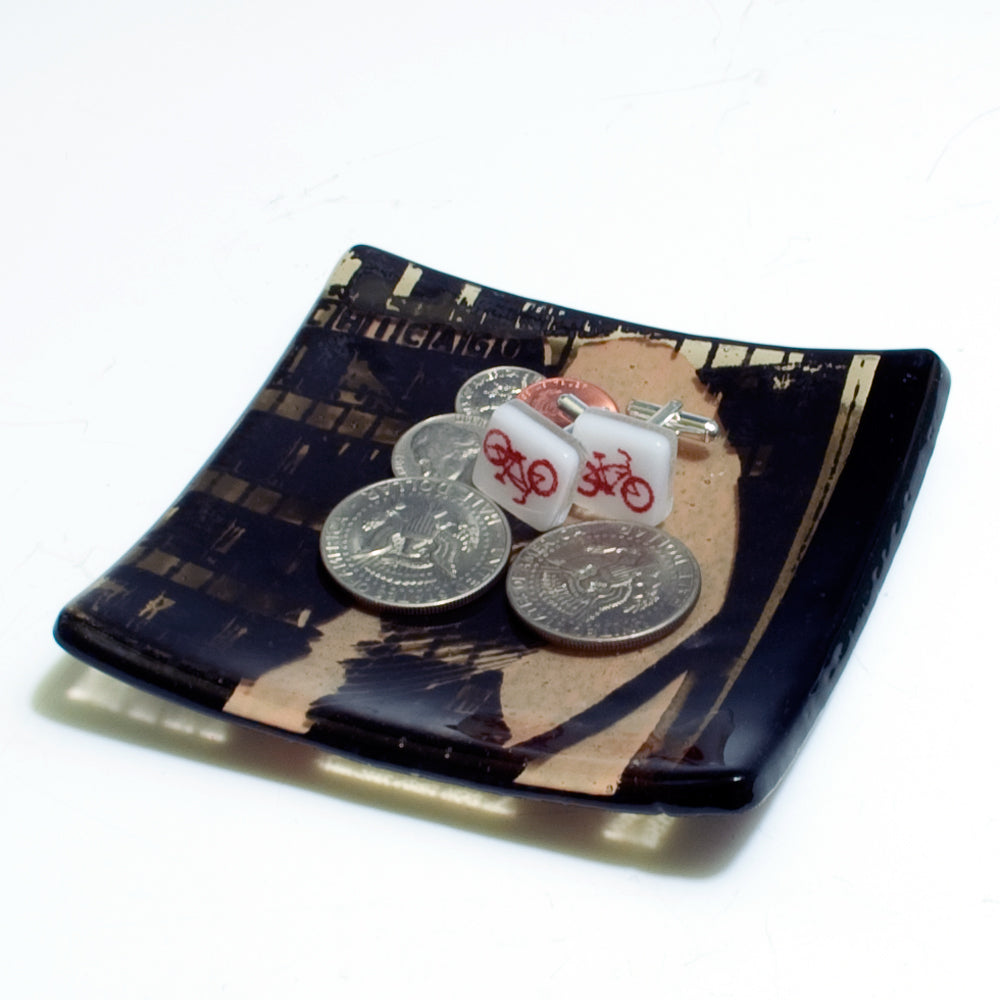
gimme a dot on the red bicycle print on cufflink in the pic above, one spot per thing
(539, 476)
(606, 477)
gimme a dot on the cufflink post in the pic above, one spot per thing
(571, 405)
(673, 418)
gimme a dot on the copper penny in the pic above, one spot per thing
(544, 397)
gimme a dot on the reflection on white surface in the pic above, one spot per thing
(649, 832)
(98, 690)
(81, 695)
(456, 795)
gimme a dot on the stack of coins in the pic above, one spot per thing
(429, 540)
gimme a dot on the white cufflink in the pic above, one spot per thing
(629, 469)
(615, 466)
(529, 465)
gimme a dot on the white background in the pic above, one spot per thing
(179, 178)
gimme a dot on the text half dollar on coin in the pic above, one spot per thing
(444, 446)
(415, 544)
(603, 585)
(486, 390)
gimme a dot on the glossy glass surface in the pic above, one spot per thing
(793, 514)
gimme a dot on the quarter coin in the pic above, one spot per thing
(444, 447)
(486, 390)
(415, 544)
(603, 585)
(544, 397)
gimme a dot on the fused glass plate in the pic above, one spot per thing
(793, 513)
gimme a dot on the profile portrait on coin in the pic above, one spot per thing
(445, 446)
(485, 391)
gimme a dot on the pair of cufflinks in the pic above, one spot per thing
(615, 465)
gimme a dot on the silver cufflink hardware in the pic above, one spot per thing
(628, 468)
(669, 416)
(673, 418)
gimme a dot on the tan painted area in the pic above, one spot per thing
(696, 351)
(544, 689)
(594, 765)
(346, 268)
(407, 280)
(729, 355)
(282, 697)
(766, 356)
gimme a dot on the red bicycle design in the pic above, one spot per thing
(539, 476)
(606, 477)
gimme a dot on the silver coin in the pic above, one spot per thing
(603, 585)
(444, 447)
(486, 390)
(415, 544)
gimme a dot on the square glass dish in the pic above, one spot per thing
(793, 513)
